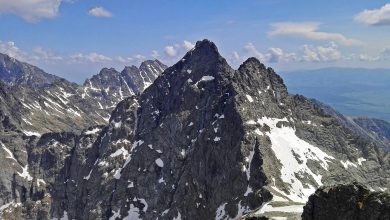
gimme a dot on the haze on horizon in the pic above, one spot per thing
(74, 39)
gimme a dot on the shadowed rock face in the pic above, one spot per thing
(347, 202)
(204, 141)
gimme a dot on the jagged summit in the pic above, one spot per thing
(252, 62)
(14, 72)
(106, 70)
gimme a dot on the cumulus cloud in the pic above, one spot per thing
(12, 50)
(273, 55)
(91, 57)
(309, 30)
(99, 11)
(375, 17)
(40, 53)
(31, 10)
(155, 54)
(365, 57)
(170, 51)
(188, 45)
(325, 53)
(385, 53)
(251, 50)
(130, 59)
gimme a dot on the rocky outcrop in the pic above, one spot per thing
(347, 202)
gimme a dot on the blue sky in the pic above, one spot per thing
(76, 38)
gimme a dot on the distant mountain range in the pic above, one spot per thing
(197, 140)
(354, 92)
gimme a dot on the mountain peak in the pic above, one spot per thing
(206, 45)
(13, 71)
(106, 70)
(252, 62)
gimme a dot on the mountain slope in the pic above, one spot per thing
(372, 130)
(14, 72)
(204, 141)
(379, 128)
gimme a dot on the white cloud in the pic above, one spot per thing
(139, 57)
(385, 53)
(131, 59)
(376, 17)
(91, 57)
(40, 53)
(12, 50)
(170, 51)
(99, 11)
(31, 10)
(188, 45)
(325, 53)
(309, 30)
(252, 51)
(155, 54)
(273, 55)
(365, 57)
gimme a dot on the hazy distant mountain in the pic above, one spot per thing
(14, 72)
(352, 91)
(203, 141)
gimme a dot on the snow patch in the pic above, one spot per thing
(250, 99)
(287, 146)
(159, 162)
(31, 133)
(25, 174)
(93, 131)
(347, 164)
(220, 214)
(360, 160)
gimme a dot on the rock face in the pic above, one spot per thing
(347, 202)
(14, 72)
(204, 141)
(380, 128)
(373, 130)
